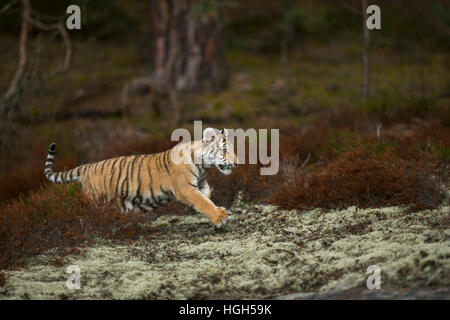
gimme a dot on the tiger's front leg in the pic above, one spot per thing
(206, 190)
(196, 199)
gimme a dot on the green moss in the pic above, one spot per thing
(442, 151)
(240, 60)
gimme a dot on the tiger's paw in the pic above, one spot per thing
(225, 217)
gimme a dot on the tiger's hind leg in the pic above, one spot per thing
(126, 206)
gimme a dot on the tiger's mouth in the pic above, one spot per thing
(225, 168)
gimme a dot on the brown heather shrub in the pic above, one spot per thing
(366, 179)
(435, 139)
(22, 166)
(18, 179)
(245, 177)
(60, 217)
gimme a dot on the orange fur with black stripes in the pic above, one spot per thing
(144, 182)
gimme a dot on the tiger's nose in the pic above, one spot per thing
(231, 165)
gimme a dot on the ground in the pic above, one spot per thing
(263, 253)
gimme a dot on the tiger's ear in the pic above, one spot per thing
(224, 132)
(209, 135)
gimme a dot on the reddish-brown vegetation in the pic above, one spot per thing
(60, 217)
(366, 179)
(22, 167)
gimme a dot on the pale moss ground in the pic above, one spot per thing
(264, 253)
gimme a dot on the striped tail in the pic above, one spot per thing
(59, 177)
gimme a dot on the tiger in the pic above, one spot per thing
(144, 182)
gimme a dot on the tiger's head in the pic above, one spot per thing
(218, 151)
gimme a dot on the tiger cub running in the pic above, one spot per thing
(144, 182)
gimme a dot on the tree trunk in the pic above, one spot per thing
(187, 46)
(11, 98)
(365, 55)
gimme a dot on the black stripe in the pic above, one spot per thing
(192, 155)
(103, 166)
(166, 163)
(83, 170)
(164, 191)
(125, 180)
(195, 186)
(150, 204)
(96, 167)
(160, 159)
(151, 194)
(139, 180)
(156, 161)
(151, 181)
(130, 175)
(90, 169)
(132, 166)
(71, 175)
(113, 170)
(136, 200)
(104, 184)
(196, 176)
(125, 177)
(119, 175)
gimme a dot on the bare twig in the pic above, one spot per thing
(365, 56)
(7, 6)
(62, 30)
(18, 77)
(306, 161)
(379, 125)
(350, 7)
(10, 101)
(319, 163)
